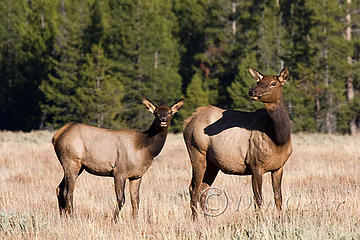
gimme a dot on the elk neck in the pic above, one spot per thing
(155, 138)
(278, 126)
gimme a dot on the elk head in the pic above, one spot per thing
(163, 114)
(268, 88)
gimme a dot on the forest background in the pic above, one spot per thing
(92, 61)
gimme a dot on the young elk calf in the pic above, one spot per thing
(241, 143)
(121, 154)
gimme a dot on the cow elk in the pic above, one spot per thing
(240, 143)
(121, 154)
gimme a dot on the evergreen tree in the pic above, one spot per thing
(349, 115)
(271, 35)
(92, 61)
(94, 32)
(330, 51)
(60, 88)
(141, 41)
(190, 16)
(197, 95)
(26, 33)
(239, 89)
(98, 97)
(300, 91)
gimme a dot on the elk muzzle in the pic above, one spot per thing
(163, 121)
(253, 94)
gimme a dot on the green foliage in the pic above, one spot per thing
(239, 88)
(94, 33)
(98, 96)
(346, 113)
(330, 58)
(60, 88)
(141, 41)
(300, 106)
(25, 44)
(93, 61)
(197, 95)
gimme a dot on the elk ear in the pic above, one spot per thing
(174, 108)
(284, 75)
(256, 74)
(149, 105)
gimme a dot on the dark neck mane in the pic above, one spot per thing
(154, 138)
(278, 127)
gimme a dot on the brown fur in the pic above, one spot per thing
(121, 154)
(197, 111)
(241, 143)
(60, 132)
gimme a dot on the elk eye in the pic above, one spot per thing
(273, 84)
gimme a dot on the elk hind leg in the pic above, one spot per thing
(70, 176)
(60, 192)
(120, 194)
(198, 161)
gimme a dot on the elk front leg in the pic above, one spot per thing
(134, 186)
(120, 194)
(257, 185)
(209, 177)
(276, 177)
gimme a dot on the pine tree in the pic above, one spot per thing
(25, 41)
(239, 88)
(12, 14)
(197, 95)
(141, 41)
(94, 32)
(190, 16)
(297, 54)
(353, 111)
(271, 34)
(98, 97)
(329, 60)
(59, 89)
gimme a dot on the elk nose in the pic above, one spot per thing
(252, 92)
(162, 118)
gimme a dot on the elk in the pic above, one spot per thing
(240, 143)
(121, 154)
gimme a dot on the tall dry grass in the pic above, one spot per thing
(321, 190)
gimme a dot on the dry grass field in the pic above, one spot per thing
(321, 191)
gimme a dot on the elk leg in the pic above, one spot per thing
(198, 161)
(276, 177)
(120, 194)
(256, 186)
(70, 178)
(209, 177)
(134, 187)
(60, 192)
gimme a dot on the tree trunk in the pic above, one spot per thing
(156, 59)
(329, 115)
(233, 21)
(349, 81)
(279, 35)
(42, 21)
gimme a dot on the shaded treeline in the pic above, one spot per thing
(92, 61)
